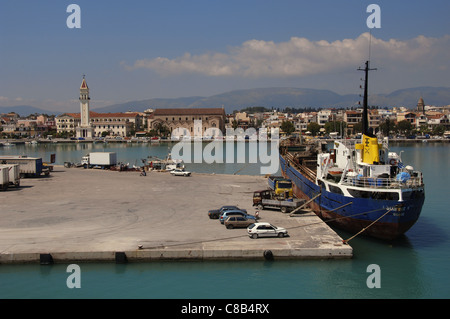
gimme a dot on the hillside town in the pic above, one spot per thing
(424, 121)
(396, 121)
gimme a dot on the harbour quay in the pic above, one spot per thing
(95, 215)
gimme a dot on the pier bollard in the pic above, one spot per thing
(121, 257)
(45, 259)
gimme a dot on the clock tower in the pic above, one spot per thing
(84, 129)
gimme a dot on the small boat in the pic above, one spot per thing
(167, 164)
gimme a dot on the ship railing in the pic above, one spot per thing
(305, 170)
(349, 142)
(381, 183)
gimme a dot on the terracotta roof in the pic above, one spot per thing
(435, 116)
(196, 111)
(95, 114)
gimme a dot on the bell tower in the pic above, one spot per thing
(84, 129)
(84, 103)
(421, 106)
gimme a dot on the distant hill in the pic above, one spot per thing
(140, 106)
(25, 110)
(271, 98)
(292, 97)
(436, 96)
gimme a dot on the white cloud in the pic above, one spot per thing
(301, 57)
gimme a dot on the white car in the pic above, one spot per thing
(180, 172)
(265, 230)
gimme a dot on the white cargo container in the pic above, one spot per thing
(4, 178)
(14, 173)
(100, 159)
(28, 166)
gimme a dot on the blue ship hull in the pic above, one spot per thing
(353, 214)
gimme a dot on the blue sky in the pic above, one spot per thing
(135, 50)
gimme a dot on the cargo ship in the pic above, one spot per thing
(355, 185)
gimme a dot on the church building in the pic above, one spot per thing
(88, 124)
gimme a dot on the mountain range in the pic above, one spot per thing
(293, 97)
(270, 98)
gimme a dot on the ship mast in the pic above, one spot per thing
(369, 147)
(365, 117)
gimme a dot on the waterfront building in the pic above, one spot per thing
(408, 116)
(438, 119)
(111, 124)
(67, 122)
(115, 124)
(323, 117)
(243, 120)
(183, 119)
(374, 119)
(352, 118)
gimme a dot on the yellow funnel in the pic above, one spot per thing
(370, 149)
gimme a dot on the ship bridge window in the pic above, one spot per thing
(374, 195)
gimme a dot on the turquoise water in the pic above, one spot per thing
(412, 267)
(134, 153)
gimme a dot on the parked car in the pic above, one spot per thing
(180, 172)
(215, 213)
(265, 230)
(228, 213)
(237, 222)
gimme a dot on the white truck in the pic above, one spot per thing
(4, 178)
(13, 173)
(99, 160)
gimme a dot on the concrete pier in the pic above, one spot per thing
(89, 215)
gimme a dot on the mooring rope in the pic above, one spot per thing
(299, 226)
(346, 241)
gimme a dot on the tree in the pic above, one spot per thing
(162, 129)
(336, 126)
(439, 130)
(424, 129)
(287, 127)
(404, 126)
(357, 127)
(387, 126)
(314, 128)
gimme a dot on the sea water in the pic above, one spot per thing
(417, 265)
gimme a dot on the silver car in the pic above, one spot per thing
(265, 230)
(237, 222)
(180, 172)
